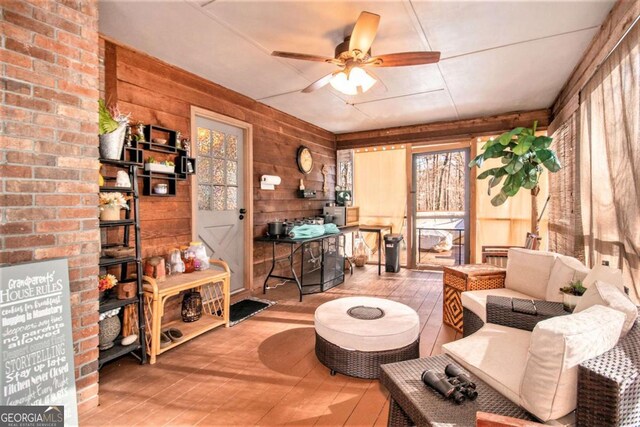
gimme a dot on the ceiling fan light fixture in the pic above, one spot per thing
(357, 81)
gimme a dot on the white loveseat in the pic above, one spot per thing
(538, 369)
(537, 275)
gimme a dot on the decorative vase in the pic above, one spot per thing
(109, 331)
(104, 295)
(191, 306)
(569, 301)
(110, 213)
(112, 143)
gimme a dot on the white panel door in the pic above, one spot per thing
(220, 189)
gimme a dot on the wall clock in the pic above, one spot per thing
(305, 160)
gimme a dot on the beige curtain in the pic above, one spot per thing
(507, 224)
(380, 188)
(610, 161)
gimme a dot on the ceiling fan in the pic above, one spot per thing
(353, 57)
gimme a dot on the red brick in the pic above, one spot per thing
(29, 76)
(28, 23)
(52, 69)
(23, 129)
(89, 368)
(17, 186)
(14, 257)
(15, 114)
(77, 113)
(87, 356)
(21, 7)
(56, 21)
(30, 103)
(25, 214)
(15, 32)
(10, 143)
(15, 86)
(29, 241)
(13, 58)
(57, 226)
(16, 228)
(29, 50)
(52, 95)
(16, 200)
(77, 187)
(67, 238)
(58, 148)
(56, 173)
(79, 163)
(21, 157)
(57, 252)
(78, 138)
(57, 200)
(14, 171)
(91, 295)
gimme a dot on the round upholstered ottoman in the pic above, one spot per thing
(355, 335)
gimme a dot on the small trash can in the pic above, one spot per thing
(392, 252)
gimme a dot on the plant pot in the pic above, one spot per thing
(157, 167)
(110, 213)
(104, 295)
(109, 331)
(111, 144)
(569, 302)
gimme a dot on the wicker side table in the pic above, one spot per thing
(413, 403)
(469, 277)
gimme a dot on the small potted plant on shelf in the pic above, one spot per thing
(153, 165)
(571, 294)
(112, 129)
(106, 282)
(110, 205)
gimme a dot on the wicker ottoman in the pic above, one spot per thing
(355, 335)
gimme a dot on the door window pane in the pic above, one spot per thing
(218, 197)
(218, 171)
(232, 147)
(232, 198)
(204, 141)
(218, 144)
(232, 173)
(204, 197)
(203, 171)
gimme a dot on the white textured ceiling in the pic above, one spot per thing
(497, 56)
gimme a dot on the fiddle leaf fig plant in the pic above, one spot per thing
(524, 157)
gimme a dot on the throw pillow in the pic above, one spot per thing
(528, 271)
(603, 293)
(565, 269)
(549, 387)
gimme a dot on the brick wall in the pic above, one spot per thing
(48, 154)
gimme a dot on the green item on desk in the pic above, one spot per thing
(307, 231)
(331, 229)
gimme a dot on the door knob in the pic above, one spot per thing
(241, 217)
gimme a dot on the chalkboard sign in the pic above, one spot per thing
(36, 357)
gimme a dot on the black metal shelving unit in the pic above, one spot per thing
(131, 221)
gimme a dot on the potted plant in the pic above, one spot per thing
(524, 156)
(153, 165)
(571, 294)
(106, 282)
(112, 129)
(110, 205)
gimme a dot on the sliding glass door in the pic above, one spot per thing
(441, 198)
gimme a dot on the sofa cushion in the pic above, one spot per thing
(558, 345)
(565, 269)
(496, 354)
(603, 293)
(528, 271)
(605, 274)
(476, 301)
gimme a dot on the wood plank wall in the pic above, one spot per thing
(156, 92)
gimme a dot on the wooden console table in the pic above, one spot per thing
(213, 285)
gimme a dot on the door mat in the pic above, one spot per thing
(242, 310)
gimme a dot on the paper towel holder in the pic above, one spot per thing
(269, 182)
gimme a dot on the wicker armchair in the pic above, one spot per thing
(497, 255)
(608, 385)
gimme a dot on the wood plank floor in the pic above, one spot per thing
(263, 371)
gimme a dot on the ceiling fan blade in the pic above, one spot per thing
(301, 56)
(364, 32)
(321, 82)
(404, 59)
